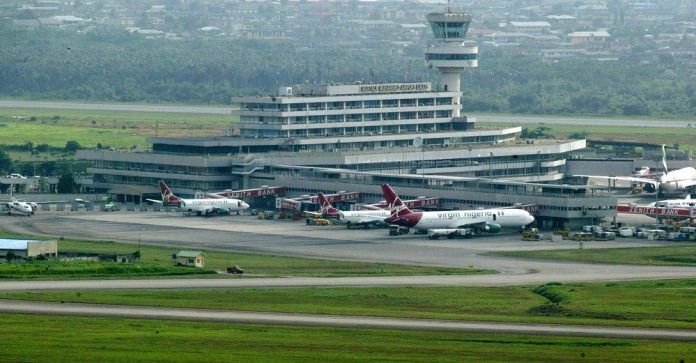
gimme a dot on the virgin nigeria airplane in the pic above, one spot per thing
(202, 207)
(364, 218)
(482, 220)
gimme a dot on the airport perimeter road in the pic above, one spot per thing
(116, 107)
(573, 274)
(139, 312)
(640, 122)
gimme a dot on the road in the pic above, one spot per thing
(642, 122)
(139, 312)
(588, 121)
(116, 107)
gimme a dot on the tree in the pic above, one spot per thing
(66, 184)
(72, 146)
(5, 162)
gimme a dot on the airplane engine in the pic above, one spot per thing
(649, 188)
(491, 228)
(223, 211)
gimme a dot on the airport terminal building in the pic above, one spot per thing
(329, 137)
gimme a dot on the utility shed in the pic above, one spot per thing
(28, 248)
(190, 258)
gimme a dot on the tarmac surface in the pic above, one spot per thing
(292, 238)
(140, 312)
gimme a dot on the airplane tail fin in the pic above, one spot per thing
(326, 207)
(397, 208)
(167, 194)
(664, 159)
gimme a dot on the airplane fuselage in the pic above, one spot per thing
(363, 216)
(505, 218)
(203, 205)
(679, 179)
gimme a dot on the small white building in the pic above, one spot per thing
(27, 248)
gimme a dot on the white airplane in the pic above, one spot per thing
(202, 207)
(675, 203)
(22, 208)
(363, 218)
(670, 181)
(451, 222)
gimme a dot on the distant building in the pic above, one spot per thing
(530, 26)
(190, 258)
(598, 39)
(27, 248)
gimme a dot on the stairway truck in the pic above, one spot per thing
(450, 233)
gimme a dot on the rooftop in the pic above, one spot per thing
(16, 244)
(189, 254)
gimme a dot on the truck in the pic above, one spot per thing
(395, 230)
(450, 233)
(627, 231)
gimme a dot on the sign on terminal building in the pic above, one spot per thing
(395, 87)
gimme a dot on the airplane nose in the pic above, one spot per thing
(530, 218)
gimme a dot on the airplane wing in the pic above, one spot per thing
(370, 220)
(313, 214)
(370, 207)
(51, 202)
(626, 178)
(214, 196)
(154, 201)
(473, 224)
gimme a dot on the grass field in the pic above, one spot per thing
(36, 338)
(664, 256)
(667, 304)
(70, 269)
(118, 129)
(255, 265)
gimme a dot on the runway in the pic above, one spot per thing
(216, 110)
(140, 312)
(62, 105)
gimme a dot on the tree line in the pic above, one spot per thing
(113, 65)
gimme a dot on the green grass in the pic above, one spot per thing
(69, 269)
(254, 265)
(666, 304)
(685, 137)
(119, 129)
(36, 338)
(663, 256)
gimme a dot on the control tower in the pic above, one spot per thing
(449, 54)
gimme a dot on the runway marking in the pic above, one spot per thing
(348, 321)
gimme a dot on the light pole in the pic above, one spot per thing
(538, 165)
(490, 161)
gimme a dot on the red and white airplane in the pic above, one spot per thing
(353, 218)
(202, 207)
(451, 222)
